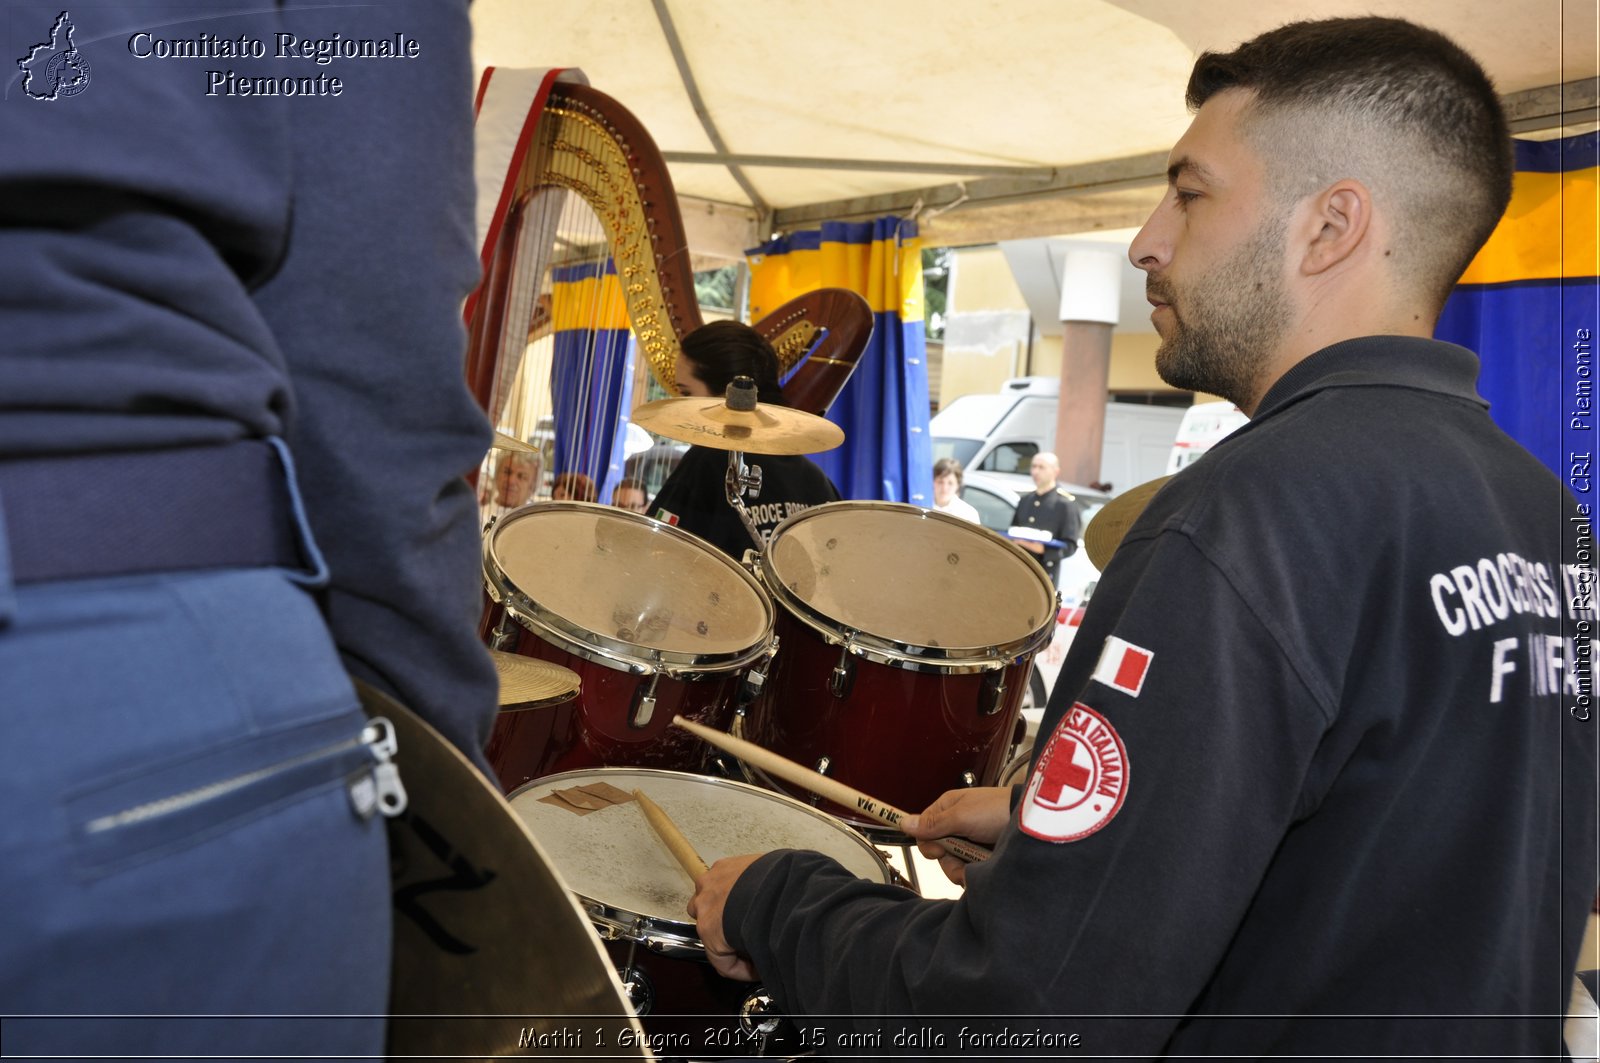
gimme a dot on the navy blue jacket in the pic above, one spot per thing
(179, 265)
(1312, 779)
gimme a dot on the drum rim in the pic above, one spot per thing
(672, 937)
(607, 650)
(881, 649)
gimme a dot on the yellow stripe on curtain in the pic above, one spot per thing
(1548, 231)
(869, 268)
(585, 302)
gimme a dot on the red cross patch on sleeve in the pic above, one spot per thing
(1123, 666)
(1079, 781)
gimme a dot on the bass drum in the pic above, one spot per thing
(906, 640)
(655, 622)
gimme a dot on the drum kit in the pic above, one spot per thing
(879, 647)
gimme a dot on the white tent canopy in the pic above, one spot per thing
(990, 119)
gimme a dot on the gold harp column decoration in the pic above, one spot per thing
(590, 156)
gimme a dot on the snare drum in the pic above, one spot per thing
(636, 894)
(906, 636)
(655, 622)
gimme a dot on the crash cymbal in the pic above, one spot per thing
(1106, 531)
(490, 946)
(529, 683)
(505, 442)
(767, 429)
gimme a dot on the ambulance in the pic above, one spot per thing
(1204, 425)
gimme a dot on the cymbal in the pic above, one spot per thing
(528, 682)
(489, 942)
(505, 442)
(766, 429)
(1109, 526)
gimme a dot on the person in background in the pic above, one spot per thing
(1306, 787)
(573, 487)
(215, 318)
(1047, 510)
(629, 494)
(516, 477)
(947, 490)
(694, 497)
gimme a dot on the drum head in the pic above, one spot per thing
(909, 577)
(636, 589)
(614, 859)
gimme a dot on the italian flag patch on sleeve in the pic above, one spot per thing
(1123, 666)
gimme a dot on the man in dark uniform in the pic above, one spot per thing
(1049, 509)
(1306, 787)
(216, 310)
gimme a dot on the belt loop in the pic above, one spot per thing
(317, 568)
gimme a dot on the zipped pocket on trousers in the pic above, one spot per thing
(156, 812)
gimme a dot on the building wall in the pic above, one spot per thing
(986, 335)
(986, 325)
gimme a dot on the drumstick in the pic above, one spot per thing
(821, 785)
(671, 837)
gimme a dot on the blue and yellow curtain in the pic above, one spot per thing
(883, 410)
(591, 375)
(1528, 303)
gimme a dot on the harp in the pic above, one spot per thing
(585, 182)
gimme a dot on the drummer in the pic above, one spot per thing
(694, 497)
(1300, 790)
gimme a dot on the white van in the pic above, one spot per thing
(1001, 433)
(1204, 426)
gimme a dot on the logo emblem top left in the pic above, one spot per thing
(54, 69)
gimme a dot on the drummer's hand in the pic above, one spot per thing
(710, 895)
(978, 813)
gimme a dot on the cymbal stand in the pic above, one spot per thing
(743, 479)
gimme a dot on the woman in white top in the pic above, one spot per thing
(946, 490)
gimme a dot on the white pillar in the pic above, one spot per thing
(1091, 293)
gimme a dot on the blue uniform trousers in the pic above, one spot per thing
(179, 836)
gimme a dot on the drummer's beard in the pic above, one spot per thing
(1227, 324)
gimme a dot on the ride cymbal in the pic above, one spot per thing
(1106, 531)
(766, 429)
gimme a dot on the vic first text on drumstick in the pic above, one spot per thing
(821, 785)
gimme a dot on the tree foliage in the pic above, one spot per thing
(935, 289)
(715, 287)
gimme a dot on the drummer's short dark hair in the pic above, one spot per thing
(1399, 107)
(722, 350)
